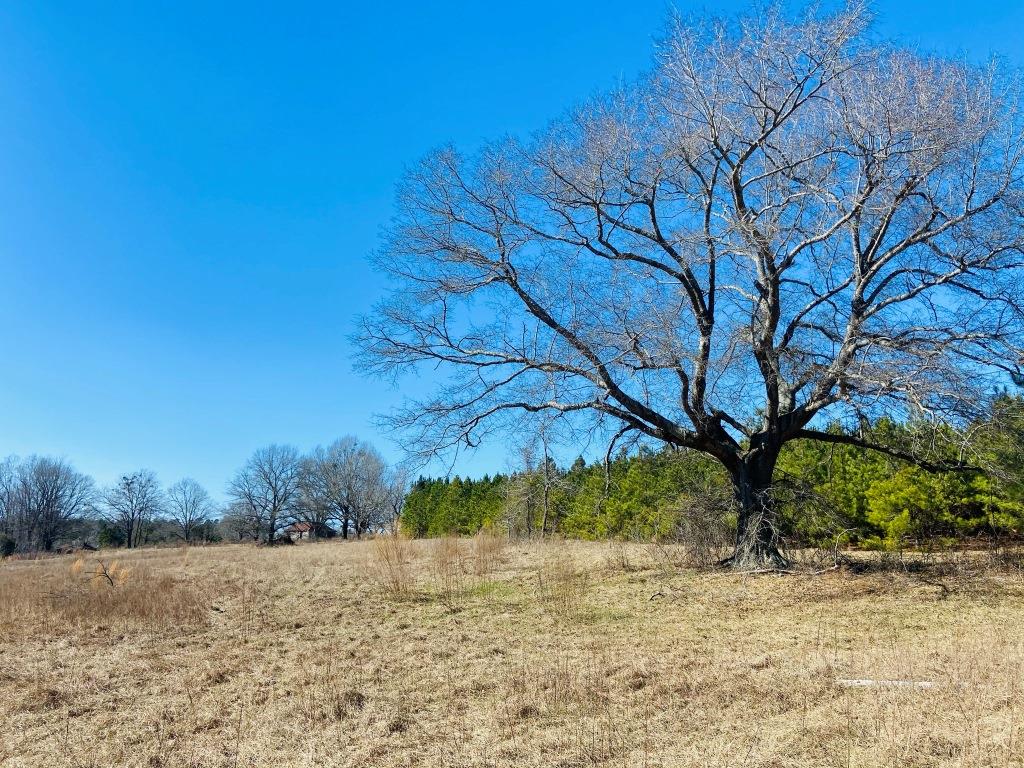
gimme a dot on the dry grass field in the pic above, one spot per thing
(477, 653)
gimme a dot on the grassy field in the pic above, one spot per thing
(477, 653)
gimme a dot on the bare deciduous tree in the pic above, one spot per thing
(395, 490)
(8, 507)
(238, 523)
(370, 490)
(328, 484)
(132, 503)
(267, 488)
(39, 497)
(189, 507)
(785, 224)
(347, 482)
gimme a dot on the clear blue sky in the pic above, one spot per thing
(188, 192)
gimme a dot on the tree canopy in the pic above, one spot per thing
(784, 225)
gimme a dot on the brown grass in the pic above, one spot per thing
(55, 595)
(488, 551)
(562, 654)
(562, 584)
(448, 571)
(391, 564)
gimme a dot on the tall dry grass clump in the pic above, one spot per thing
(448, 570)
(52, 596)
(619, 557)
(562, 585)
(390, 565)
(488, 550)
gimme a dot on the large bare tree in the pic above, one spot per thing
(785, 224)
(266, 489)
(189, 507)
(132, 503)
(39, 498)
(348, 482)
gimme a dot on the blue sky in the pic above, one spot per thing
(189, 191)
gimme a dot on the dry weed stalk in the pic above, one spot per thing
(488, 551)
(112, 575)
(562, 585)
(448, 569)
(390, 565)
(617, 558)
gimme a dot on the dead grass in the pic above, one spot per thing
(448, 571)
(55, 595)
(557, 654)
(562, 584)
(391, 564)
(488, 551)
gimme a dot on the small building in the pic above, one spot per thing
(305, 530)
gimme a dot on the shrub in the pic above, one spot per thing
(109, 536)
(706, 524)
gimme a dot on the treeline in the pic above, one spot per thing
(343, 489)
(825, 492)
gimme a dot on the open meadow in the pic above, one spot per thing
(486, 653)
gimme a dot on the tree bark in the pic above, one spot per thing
(757, 538)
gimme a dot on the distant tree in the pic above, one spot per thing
(785, 224)
(8, 475)
(321, 498)
(39, 499)
(189, 507)
(237, 523)
(532, 492)
(350, 483)
(327, 484)
(395, 491)
(371, 498)
(110, 535)
(131, 504)
(267, 489)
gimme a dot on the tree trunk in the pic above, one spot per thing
(544, 518)
(757, 538)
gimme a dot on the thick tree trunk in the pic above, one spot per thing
(757, 539)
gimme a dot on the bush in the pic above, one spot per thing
(7, 546)
(110, 536)
(706, 524)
